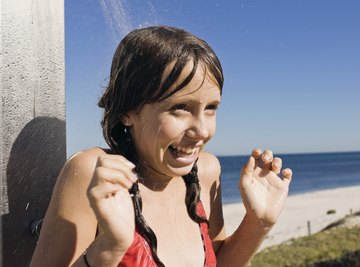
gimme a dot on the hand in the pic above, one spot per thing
(262, 188)
(109, 198)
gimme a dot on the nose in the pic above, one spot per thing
(199, 128)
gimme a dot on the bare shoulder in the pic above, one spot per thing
(76, 175)
(86, 158)
(209, 176)
(209, 168)
(82, 164)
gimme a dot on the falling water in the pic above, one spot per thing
(121, 17)
(116, 17)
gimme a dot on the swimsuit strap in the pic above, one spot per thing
(210, 258)
(138, 254)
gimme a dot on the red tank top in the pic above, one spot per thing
(139, 253)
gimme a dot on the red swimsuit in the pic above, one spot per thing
(139, 253)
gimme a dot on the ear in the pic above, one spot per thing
(126, 120)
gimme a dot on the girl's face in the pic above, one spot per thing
(169, 135)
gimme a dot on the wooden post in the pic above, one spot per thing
(33, 146)
(309, 228)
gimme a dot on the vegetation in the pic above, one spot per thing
(335, 246)
(332, 211)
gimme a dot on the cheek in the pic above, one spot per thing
(171, 128)
(212, 127)
(143, 133)
(160, 131)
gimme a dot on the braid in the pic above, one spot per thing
(141, 225)
(193, 194)
(144, 229)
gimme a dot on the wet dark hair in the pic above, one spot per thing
(137, 78)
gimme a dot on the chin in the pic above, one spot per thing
(180, 171)
(179, 165)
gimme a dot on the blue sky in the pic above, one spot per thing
(292, 68)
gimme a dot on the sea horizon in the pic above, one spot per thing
(312, 172)
(293, 153)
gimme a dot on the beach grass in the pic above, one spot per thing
(337, 246)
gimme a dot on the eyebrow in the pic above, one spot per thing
(215, 102)
(187, 100)
(188, 97)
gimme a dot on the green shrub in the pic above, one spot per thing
(338, 246)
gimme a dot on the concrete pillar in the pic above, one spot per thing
(32, 144)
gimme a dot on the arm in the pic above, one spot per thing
(239, 248)
(69, 225)
(264, 193)
(211, 190)
(74, 213)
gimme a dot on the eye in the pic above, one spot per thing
(179, 108)
(211, 109)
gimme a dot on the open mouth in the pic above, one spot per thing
(184, 151)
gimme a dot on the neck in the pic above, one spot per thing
(154, 180)
(157, 185)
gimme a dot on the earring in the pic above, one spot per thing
(125, 119)
(128, 138)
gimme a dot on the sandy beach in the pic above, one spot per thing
(298, 210)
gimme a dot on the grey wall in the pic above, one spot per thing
(32, 144)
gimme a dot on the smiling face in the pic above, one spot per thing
(170, 134)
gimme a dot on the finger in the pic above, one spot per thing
(248, 168)
(247, 172)
(106, 175)
(276, 165)
(115, 160)
(287, 175)
(118, 166)
(103, 191)
(256, 153)
(266, 159)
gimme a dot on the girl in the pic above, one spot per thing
(154, 197)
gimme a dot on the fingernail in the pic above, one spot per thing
(134, 177)
(130, 164)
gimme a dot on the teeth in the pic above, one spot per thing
(185, 149)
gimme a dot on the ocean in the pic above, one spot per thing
(311, 172)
